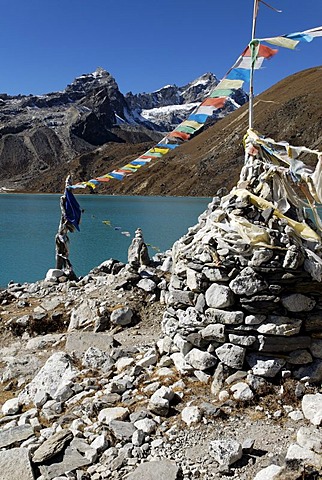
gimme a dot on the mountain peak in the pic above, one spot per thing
(100, 72)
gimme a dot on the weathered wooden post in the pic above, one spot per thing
(69, 221)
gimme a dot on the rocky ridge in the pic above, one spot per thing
(165, 108)
(40, 134)
(290, 109)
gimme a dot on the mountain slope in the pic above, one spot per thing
(290, 110)
(41, 133)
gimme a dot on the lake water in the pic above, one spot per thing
(28, 225)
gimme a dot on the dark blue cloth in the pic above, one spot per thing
(72, 209)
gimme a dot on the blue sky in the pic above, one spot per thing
(45, 44)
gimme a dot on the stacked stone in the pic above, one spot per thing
(245, 293)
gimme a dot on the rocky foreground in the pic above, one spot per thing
(91, 388)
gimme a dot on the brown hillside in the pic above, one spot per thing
(290, 110)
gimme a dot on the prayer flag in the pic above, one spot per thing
(103, 179)
(182, 135)
(263, 51)
(172, 146)
(220, 92)
(200, 118)
(231, 84)
(72, 209)
(239, 74)
(214, 102)
(314, 32)
(186, 129)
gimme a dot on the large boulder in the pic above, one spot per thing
(59, 369)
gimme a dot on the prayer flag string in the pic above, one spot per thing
(252, 57)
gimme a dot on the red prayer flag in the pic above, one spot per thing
(263, 51)
(214, 102)
(103, 179)
(184, 136)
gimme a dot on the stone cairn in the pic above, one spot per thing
(245, 292)
(138, 253)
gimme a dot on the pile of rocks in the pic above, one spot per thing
(241, 294)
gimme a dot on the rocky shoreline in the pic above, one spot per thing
(202, 363)
(103, 408)
(91, 389)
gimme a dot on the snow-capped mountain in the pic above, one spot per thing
(165, 108)
(38, 132)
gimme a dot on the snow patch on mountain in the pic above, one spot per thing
(168, 110)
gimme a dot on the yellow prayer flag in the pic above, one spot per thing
(129, 165)
(282, 42)
(159, 150)
(226, 83)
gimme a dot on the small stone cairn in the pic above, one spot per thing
(138, 253)
(245, 289)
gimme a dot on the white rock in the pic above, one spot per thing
(269, 473)
(138, 438)
(193, 280)
(296, 415)
(165, 372)
(312, 408)
(53, 274)
(242, 391)
(83, 315)
(202, 376)
(15, 464)
(146, 425)
(63, 393)
(200, 360)
(107, 415)
(160, 401)
(122, 316)
(163, 392)
(225, 451)
(96, 358)
(147, 285)
(191, 415)
(266, 367)
(10, 407)
(183, 345)
(164, 345)
(58, 370)
(100, 443)
(219, 296)
(223, 395)
(278, 325)
(310, 438)
(123, 363)
(231, 355)
(180, 363)
(214, 331)
(254, 319)
(147, 360)
(296, 452)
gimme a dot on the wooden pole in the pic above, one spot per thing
(62, 240)
(251, 80)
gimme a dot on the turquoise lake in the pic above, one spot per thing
(28, 225)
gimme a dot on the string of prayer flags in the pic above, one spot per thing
(251, 58)
(292, 39)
